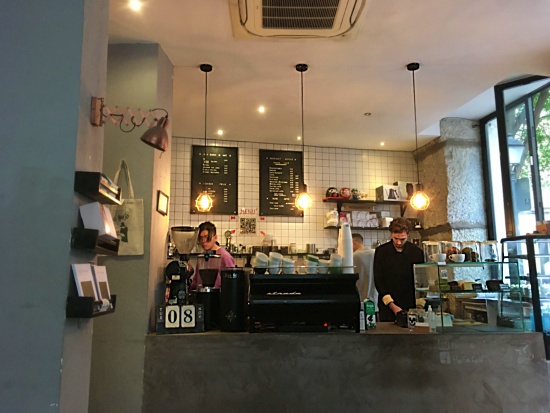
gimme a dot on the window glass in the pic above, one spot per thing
(495, 177)
(519, 168)
(541, 109)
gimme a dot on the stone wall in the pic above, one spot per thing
(452, 172)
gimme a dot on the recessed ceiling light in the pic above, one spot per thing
(298, 138)
(135, 5)
(219, 132)
(382, 143)
(261, 109)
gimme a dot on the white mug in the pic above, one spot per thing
(457, 257)
(438, 257)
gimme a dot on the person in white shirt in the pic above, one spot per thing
(363, 262)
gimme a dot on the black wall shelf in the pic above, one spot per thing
(87, 307)
(89, 239)
(97, 187)
(358, 228)
(339, 201)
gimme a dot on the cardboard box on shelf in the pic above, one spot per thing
(388, 193)
(364, 219)
(406, 189)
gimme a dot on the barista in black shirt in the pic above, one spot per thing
(393, 271)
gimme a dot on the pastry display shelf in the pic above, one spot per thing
(87, 307)
(473, 297)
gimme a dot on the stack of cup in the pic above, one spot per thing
(274, 262)
(260, 265)
(311, 262)
(345, 248)
(322, 266)
(335, 263)
(287, 265)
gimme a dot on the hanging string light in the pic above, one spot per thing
(419, 201)
(204, 202)
(304, 201)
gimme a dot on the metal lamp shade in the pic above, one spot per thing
(157, 137)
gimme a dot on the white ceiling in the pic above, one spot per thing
(464, 47)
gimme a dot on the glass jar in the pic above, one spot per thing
(488, 251)
(430, 248)
(450, 247)
(471, 251)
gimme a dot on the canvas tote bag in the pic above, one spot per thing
(128, 217)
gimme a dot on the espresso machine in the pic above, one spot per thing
(178, 272)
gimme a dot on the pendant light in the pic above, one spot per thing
(204, 203)
(304, 201)
(419, 200)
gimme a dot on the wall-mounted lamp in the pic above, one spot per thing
(419, 201)
(156, 136)
(204, 202)
(304, 201)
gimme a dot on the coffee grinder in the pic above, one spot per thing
(208, 267)
(178, 272)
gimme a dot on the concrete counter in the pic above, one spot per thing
(381, 371)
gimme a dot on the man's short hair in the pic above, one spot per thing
(400, 225)
(357, 237)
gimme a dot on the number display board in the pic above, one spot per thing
(215, 169)
(281, 180)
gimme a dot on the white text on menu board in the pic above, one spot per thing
(277, 183)
(216, 163)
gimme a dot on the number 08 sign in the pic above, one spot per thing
(177, 316)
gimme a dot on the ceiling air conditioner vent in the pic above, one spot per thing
(296, 18)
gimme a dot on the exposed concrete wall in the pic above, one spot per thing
(452, 172)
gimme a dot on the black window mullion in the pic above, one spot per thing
(534, 161)
(509, 217)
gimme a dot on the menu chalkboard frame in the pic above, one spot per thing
(215, 184)
(267, 159)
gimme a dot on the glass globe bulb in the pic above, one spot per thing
(203, 203)
(420, 201)
(304, 201)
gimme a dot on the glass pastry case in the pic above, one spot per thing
(531, 253)
(472, 297)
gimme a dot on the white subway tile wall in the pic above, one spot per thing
(324, 168)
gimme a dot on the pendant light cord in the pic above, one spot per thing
(205, 109)
(302, 92)
(205, 68)
(414, 67)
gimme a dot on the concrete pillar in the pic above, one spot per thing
(452, 173)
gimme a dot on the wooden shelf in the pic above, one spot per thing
(87, 307)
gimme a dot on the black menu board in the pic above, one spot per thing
(281, 181)
(217, 171)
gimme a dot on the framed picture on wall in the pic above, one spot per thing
(162, 202)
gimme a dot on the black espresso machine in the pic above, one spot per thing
(303, 303)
